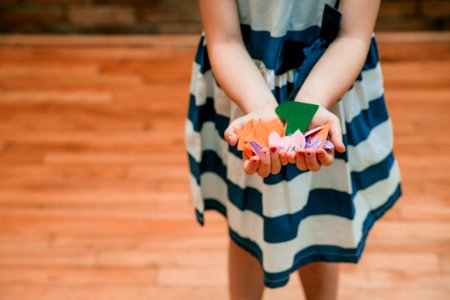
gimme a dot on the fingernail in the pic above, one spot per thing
(273, 149)
(319, 153)
(253, 161)
(229, 138)
(309, 153)
(300, 153)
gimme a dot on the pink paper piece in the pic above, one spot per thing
(297, 141)
(282, 143)
(256, 147)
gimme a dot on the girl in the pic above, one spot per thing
(305, 210)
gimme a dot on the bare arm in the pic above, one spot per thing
(341, 63)
(232, 66)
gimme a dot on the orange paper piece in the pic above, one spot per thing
(322, 133)
(276, 125)
(261, 133)
(243, 134)
(257, 131)
(248, 150)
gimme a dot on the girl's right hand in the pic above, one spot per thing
(268, 160)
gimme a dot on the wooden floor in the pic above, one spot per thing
(94, 195)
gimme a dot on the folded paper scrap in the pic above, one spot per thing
(257, 134)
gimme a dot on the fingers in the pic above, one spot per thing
(311, 160)
(300, 160)
(270, 162)
(283, 157)
(325, 158)
(336, 135)
(264, 167)
(230, 135)
(275, 165)
(291, 157)
(250, 165)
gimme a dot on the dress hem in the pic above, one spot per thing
(315, 253)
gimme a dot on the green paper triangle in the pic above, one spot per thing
(297, 115)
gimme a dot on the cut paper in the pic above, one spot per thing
(287, 143)
(254, 135)
(313, 131)
(328, 145)
(261, 133)
(323, 133)
(282, 143)
(276, 125)
(256, 147)
(248, 150)
(297, 115)
(313, 144)
(297, 141)
(243, 133)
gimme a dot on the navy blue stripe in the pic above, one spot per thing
(245, 199)
(201, 57)
(206, 113)
(320, 201)
(361, 125)
(279, 53)
(313, 253)
(372, 58)
(379, 171)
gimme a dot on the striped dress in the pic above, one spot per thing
(292, 218)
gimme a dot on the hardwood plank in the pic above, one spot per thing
(76, 276)
(94, 180)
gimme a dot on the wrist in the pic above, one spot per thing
(306, 97)
(269, 104)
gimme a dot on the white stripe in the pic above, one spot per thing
(201, 84)
(359, 96)
(378, 145)
(193, 141)
(197, 195)
(373, 197)
(277, 17)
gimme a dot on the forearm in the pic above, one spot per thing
(335, 72)
(239, 77)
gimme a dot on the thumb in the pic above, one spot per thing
(336, 136)
(230, 133)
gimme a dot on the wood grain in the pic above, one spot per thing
(94, 191)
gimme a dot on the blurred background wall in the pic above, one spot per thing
(177, 16)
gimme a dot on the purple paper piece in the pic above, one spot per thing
(308, 139)
(328, 145)
(314, 144)
(256, 147)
